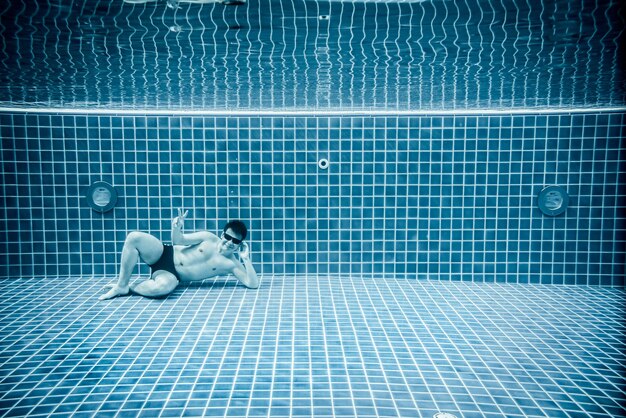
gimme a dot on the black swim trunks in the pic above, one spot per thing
(166, 262)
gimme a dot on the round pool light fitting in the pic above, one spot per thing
(101, 196)
(553, 200)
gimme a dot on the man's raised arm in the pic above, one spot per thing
(179, 238)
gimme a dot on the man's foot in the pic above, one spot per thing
(115, 291)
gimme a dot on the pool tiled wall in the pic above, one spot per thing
(425, 196)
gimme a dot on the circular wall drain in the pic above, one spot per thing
(323, 164)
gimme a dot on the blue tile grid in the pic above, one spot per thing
(450, 197)
(312, 346)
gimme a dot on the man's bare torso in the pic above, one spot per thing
(202, 261)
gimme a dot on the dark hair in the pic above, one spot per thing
(238, 227)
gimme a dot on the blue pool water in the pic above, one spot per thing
(414, 274)
(303, 54)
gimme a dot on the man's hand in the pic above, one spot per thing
(244, 251)
(115, 291)
(179, 221)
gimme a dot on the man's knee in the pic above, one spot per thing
(165, 286)
(158, 286)
(134, 237)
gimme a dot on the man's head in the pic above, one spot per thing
(238, 228)
(233, 235)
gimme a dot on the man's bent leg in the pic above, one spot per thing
(137, 245)
(161, 284)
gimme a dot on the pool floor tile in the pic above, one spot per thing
(312, 346)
